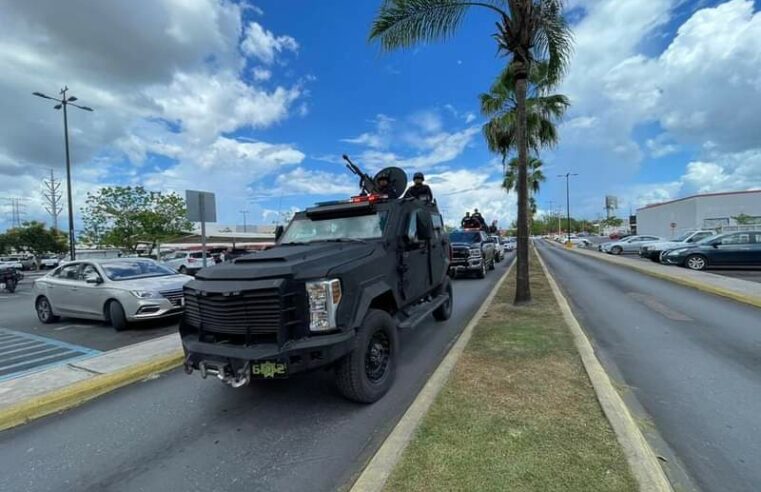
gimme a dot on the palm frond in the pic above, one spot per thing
(403, 23)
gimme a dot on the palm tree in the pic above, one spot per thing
(535, 175)
(527, 31)
(543, 111)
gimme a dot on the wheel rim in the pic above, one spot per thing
(696, 263)
(377, 357)
(43, 309)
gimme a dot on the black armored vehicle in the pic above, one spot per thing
(343, 277)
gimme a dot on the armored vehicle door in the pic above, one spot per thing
(415, 255)
(439, 248)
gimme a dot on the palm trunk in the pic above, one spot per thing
(522, 287)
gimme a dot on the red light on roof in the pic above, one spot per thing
(372, 198)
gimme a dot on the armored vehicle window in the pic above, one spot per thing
(305, 229)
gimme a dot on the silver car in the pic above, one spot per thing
(118, 291)
(629, 244)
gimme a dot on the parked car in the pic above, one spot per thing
(19, 262)
(11, 262)
(581, 242)
(652, 251)
(731, 249)
(49, 262)
(188, 262)
(118, 291)
(629, 244)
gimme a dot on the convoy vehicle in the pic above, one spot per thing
(333, 292)
(499, 252)
(20, 262)
(472, 252)
(508, 244)
(734, 249)
(629, 244)
(119, 291)
(9, 278)
(653, 251)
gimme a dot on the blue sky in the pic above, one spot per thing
(256, 101)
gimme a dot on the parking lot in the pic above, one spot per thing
(749, 274)
(45, 345)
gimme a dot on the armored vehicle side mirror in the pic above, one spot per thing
(278, 232)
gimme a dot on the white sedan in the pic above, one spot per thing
(118, 291)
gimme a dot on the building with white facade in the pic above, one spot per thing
(710, 211)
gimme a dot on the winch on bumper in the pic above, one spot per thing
(238, 365)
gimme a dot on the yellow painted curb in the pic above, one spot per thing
(640, 456)
(753, 301)
(82, 391)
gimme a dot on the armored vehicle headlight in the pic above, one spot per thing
(475, 251)
(324, 296)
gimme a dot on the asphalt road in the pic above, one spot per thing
(17, 314)
(692, 362)
(180, 433)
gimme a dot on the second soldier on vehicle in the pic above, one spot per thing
(419, 190)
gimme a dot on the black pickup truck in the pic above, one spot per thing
(342, 279)
(472, 252)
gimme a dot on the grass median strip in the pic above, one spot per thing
(518, 412)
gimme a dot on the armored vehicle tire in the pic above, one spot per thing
(116, 316)
(367, 373)
(10, 286)
(492, 265)
(444, 312)
(482, 272)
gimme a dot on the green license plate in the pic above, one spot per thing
(269, 369)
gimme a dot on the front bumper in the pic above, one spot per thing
(297, 355)
(144, 309)
(471, 264)
(672, 260)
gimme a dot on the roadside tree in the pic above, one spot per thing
(33, 237)
(125, 216)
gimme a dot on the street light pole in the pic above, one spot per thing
(567, 177)
(244, 213)
(63, 103)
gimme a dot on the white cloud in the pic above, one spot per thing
(263, 45)
(260, 73)
(311, 182)
(164, 78)
(380, 138)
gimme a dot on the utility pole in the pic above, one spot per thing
(52, 195)
(244, 213)
(64, 102)
(17, 210)
(567, 177)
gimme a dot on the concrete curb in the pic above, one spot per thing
(373, 478)
(92, 384)
(642, 461)
(704, 287)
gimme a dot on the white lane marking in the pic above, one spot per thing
(66, 327)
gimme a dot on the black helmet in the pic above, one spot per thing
(418, 175)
